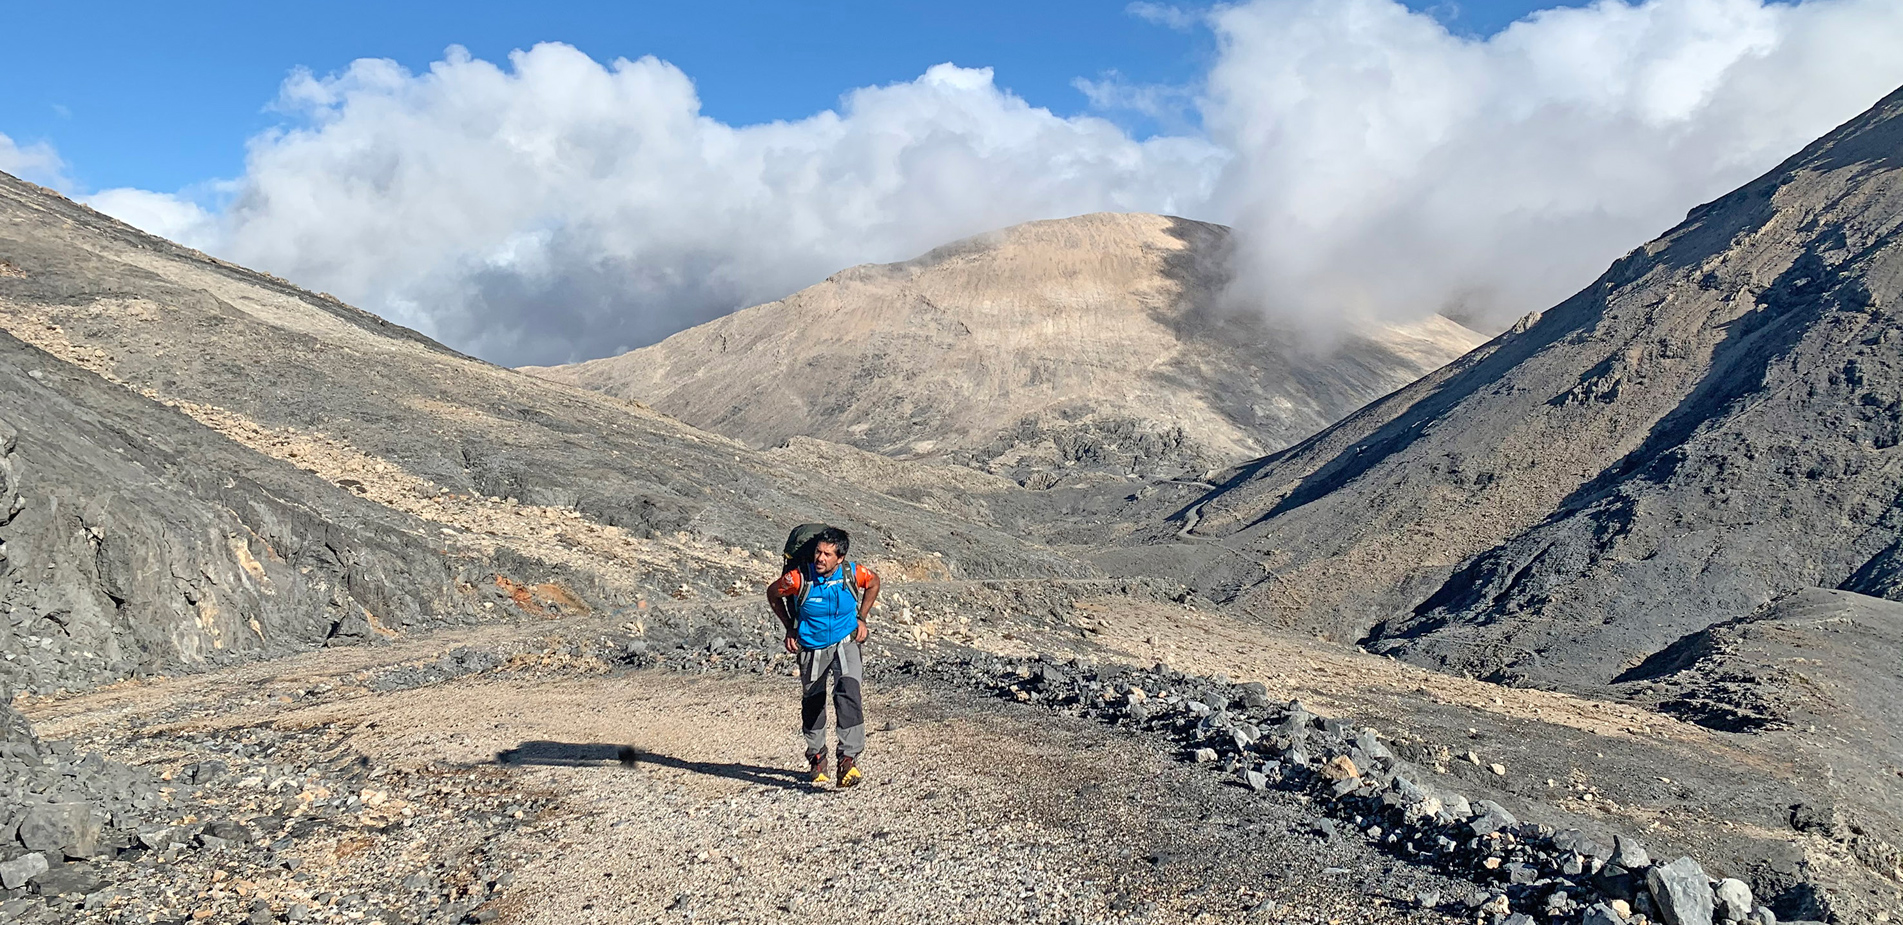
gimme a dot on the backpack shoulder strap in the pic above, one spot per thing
(852, 580)
(798, 597)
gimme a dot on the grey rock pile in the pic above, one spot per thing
(1525, 869)
(63, 815)
(244, 825)
(460, 661)
(16, 734)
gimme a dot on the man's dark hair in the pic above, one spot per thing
(838, 539)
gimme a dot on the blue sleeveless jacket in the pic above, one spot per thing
(828, 606)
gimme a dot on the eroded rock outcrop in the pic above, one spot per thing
(139, 540)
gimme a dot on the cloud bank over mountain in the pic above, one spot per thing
(559, 208)
(555, 208)
(1385, 167)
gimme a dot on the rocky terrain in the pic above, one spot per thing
(1705, 429)
(308, 618)
(635, 770)
(1093, 342)
(1636, 494)
(135, 539)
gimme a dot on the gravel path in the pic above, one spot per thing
(973, 811)
(562, 792)
(529, 774)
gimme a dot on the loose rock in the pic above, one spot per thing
(1630, 854)
(15, 873)
(1681, 891)
(1732, 900)
(60, 826)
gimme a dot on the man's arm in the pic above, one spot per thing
(776, 599)
(865, 605)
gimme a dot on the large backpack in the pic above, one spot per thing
(798, 555)
(800, 546)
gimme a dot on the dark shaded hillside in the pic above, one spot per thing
(133, 538)
(1710, 425)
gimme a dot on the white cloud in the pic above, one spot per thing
(37, 162)
(1386, 168)
(1374, 165)
(1171, 106)
(559, 209)
(1167, 15)
(162, 214)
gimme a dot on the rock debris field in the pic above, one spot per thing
(577, 772)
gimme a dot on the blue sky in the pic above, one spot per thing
(1379, 160)
(162, 96)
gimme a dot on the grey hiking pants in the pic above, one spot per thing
(841, 662)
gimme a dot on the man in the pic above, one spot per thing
(823, 605)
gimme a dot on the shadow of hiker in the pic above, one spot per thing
(578, 754)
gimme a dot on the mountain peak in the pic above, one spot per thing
(1092, 341)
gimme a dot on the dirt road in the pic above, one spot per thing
(669, 797)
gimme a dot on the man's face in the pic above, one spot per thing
(825, 558)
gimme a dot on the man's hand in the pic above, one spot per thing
(792, 644)
(859, 633)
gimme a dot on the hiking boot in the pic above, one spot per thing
(849, 775)
(816, 768)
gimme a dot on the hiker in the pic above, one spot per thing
(823, 603)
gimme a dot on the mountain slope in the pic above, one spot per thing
(1085, 341)
(1711, 424)
(206, 461)
(133, 538)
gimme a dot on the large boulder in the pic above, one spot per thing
(17, 872)
(68, 827)
(1681, 891)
